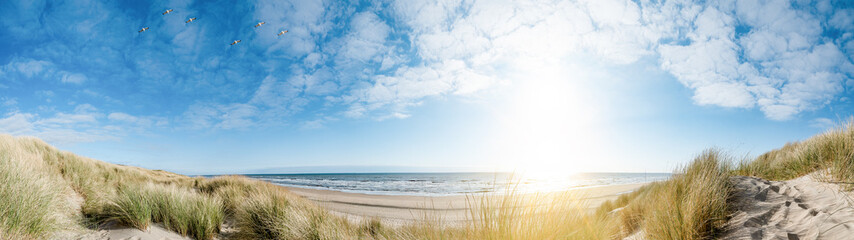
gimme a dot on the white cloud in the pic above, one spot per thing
(83, 124)
(765, 55)
(842, 19)
(16, 123)
(407, 85)
(467, 47)
(219, 116)
(822, 123)
(68, 119)
(30, 68)
(778, 62)
(787, 67)
(62, 128)
(313, 124)
(278, 94)
(119, 116)
(9, 102)
(366, 39)
(39, 69)
(306, 21)
(75, 78)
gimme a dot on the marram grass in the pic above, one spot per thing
(44, 193)
(31, 204)
(185, 212)
(831, 151)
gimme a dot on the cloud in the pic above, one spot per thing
(313, 124)
(85, 123)
(822, 123)
(306, 21)
(73, 78)
(61, 128)
(382, 60)
(8, 102)
(366, 39)
(39, 70)
(768, 54)
(124, 117)
(226, 117)
(16, 123)
(394, 93)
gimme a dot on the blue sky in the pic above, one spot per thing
(567, 86)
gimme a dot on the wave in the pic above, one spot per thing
(434, 184)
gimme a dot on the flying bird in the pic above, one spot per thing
(283, 32)
(190, 20)
(167, 11)
(259, 24)
(143, 29)
(235, 42)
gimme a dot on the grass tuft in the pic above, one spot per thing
(178, 209)
(832, 151)
(33, 203)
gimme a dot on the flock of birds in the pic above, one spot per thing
(194, 19)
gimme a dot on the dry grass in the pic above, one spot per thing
(185, 212)
(39, 185)
(693, 204)
(32, 204)
(832, 150)
(513, 215)
(689, 206)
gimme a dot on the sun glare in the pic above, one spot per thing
(546, 125)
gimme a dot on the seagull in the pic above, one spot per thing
(143, 29)
(259, 24)
(190, 20)
(167, 11)
(283, 32)
(235, 42)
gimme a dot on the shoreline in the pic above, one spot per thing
(403, 209)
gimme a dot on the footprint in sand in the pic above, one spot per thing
(765, 210)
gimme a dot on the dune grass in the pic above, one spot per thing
(831, 151)
(691, 205)
(513, 215)
(31, 205)
(184, 212)
(38, 181)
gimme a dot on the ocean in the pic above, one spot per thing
(445, 184)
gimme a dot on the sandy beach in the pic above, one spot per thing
(803, 208)
(399, 209)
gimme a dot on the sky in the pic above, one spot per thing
(426, 85)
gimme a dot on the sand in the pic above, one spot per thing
(154, 232)
(398, 210)
(802, 208)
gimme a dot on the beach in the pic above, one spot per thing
(402, 209)
(776, 196)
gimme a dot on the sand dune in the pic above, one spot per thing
(802, 208)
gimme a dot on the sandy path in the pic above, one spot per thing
(801, 208)
(404, 209)
(154, 232)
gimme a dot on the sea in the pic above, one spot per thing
(448, 184)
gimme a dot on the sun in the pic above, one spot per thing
(547, 124)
